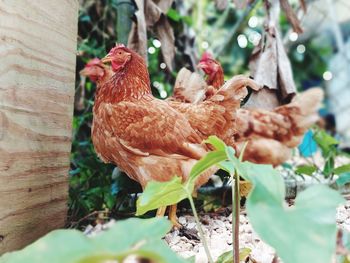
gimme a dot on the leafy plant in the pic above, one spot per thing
(132, 237)
(303, 233)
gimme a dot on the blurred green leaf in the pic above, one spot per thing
(306, 169)
(325, 141)
(227, 257)
(343, 179)
(174, 15)
(342, 169)
(303, 233)
(141, 237)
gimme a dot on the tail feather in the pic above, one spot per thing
(235, 89)
(303, 112)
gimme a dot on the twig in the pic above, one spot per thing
(200, 230)
(235, 217)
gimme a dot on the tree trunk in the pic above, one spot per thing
(37, 79)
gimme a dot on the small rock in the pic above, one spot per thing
(191, 225)
(182, 220)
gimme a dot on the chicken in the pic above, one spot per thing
(97, 72)
(213, 70)
(271, 134)
(192, 88)
(152, 139)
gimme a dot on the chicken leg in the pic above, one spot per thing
(173, 218)
(161, 211)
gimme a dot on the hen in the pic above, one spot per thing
(271, 134)
(152, 139)
(97, 72)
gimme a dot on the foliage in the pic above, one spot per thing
(303, 233)
(328, 146)
(137, 237)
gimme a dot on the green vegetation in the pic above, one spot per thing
(305, 232)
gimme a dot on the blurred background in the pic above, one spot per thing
(174, 34)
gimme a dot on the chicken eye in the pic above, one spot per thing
(119, 52)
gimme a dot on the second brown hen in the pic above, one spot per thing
(271, 135)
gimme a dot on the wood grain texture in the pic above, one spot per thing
(37, 71)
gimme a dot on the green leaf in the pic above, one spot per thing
(325, 141)
(227, 257)
(343, 179)
(342, 169)
(158, 194)
(129, 237)
(306, 169)
(267, 180)
(305, 232)
(212, 158)
(328, 168)
(174, 15)
(216, 142)
(227, 166)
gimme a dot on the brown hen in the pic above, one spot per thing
(271, 134)
(152, 139)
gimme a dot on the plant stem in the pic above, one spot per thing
(200, 230)
(235, 216)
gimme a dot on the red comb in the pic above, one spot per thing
(117, 46)
(206, 55)
(93, 62)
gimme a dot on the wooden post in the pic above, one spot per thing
(37, 76)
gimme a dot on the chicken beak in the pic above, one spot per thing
(84, 72)
(107, 59)
(202, 65)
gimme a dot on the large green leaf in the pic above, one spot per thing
(265, 179)
(158, 194)
(130, 237)
(303, 233)
(212, 158)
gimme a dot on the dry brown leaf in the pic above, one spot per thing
(263, 66)
(266, 69)
(151, 15)
(165, 33)
(138, 33)
(285, 74)
(270, 66)
(264, 99)
(291, 16)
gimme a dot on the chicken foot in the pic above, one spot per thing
(171, 215)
